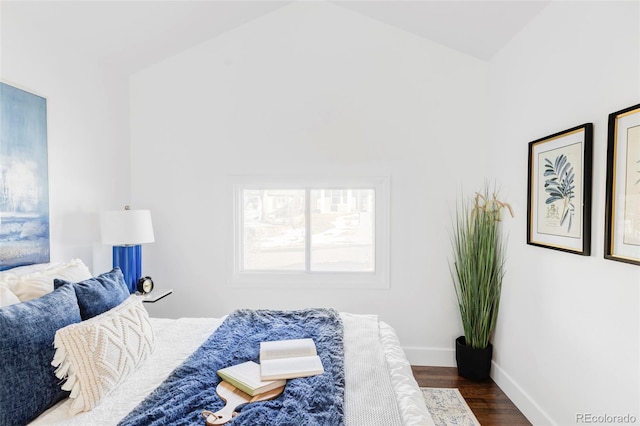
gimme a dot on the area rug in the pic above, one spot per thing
(448, 407)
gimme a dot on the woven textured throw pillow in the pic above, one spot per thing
(96, 355)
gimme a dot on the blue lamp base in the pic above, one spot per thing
(129, 260)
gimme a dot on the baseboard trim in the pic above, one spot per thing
(531, 410)
(435, 357)
(439, 357)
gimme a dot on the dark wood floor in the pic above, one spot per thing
(487, 401)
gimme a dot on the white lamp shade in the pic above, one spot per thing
(126, 227)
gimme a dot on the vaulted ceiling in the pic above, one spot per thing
(131, 35)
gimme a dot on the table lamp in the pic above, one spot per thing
(126, 230)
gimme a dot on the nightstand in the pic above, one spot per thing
(156, 295)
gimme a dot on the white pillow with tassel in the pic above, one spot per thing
(94, 356)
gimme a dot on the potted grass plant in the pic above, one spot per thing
(477, 269)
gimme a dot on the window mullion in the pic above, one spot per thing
(240, 228)
(307, 231)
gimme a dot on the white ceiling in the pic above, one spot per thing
(131, 35)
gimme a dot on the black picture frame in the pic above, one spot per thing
(559, 190)
(622, 205)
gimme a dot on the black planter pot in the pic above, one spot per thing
(473, 364)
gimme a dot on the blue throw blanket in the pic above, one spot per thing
(191, 388)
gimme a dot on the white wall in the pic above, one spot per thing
(87, 115)
(314, 88)
(567, 340)
(310, 89)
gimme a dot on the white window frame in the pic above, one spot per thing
(379, 278)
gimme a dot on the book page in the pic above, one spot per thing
(287, 349)
(246, 377)
(247, 373)
(288, 368)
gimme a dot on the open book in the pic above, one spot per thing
(246, 377)
(287, 359)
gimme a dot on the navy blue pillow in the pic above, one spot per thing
(29, 385)
(98, 294)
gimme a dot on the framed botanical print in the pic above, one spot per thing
(622, 215)
(559, 191)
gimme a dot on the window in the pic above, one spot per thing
(314, 232)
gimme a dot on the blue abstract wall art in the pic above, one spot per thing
(24, 181)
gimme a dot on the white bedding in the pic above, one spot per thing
(364, 399)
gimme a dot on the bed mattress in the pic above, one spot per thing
(380, 388)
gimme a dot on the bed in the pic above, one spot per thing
(378, 385)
